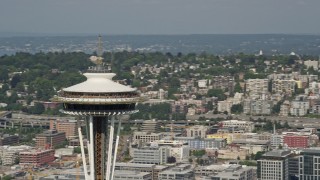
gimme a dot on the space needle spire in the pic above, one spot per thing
(102, 102)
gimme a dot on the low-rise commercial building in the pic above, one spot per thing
(50, 139)
(7, 139)
(10, 154)
(179, 172)
(146, 137)
(197, 131)
(151, 155)
(235, 172)
(36, 157)
(247, 125)
(131, 175)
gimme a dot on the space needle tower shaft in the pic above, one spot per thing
(101, 102)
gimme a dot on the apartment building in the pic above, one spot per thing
(283, 86)
(223, 82)
(257, 107)
(256, 86)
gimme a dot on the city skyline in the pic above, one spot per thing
(160, 17)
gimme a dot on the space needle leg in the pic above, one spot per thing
(110, 149)
(91, 152)
(116, 149)
(83, 154)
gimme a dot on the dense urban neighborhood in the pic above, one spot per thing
(205, 116)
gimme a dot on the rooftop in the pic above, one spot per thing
(277, 153)
(99, 83)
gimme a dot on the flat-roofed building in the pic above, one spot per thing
(309, 164)
(7, 139)
(274, 165)
(197, 131)
(180, 172)
(235, 172)
(247, 125)
(203, 143)
(257, 86)
(50, 139)
(131, 175)
(149, 155)
(10, 154)
(36, 157)
(139, 136)
(68, 127)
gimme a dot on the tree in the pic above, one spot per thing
(171, 159)
(15, 80)
(7, 177)
(237, 108)
(217, 93)
(199, 153)
(237, 88)
(258, 155)
(37, 109)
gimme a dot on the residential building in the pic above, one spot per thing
(257, 107)
(257, 86)
(179, 107)
(203, 143)
(296, 141)
(225, 106)
(276, 140)
(70, 128)
(223, 82)
(274, 165)
(283, 86)
(247, 125)
(197, 131)
(36, 157)
(299, 106)
(50, 139)
(7, 139)
(285, 109)
(311, 63)
(149, 155)
(180, 172)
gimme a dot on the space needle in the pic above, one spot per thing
(102, 102)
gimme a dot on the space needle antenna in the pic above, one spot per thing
(102, 102)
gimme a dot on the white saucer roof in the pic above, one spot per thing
(99, 83)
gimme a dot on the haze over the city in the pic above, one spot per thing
(160, 16)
